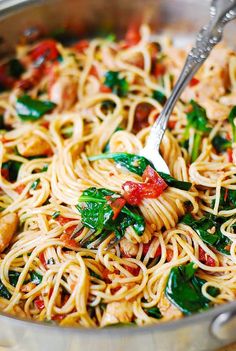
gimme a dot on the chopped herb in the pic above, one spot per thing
(29, 109)
(35, 184)
(196, 119)
(227, 199)
(220, 143)
(56, 214)
(111, 37)
(183, 289)
(13, 168)
(153, 312)
(13, 277)
(137, 164)
(68, 131)
(51, 260)
(203, 227)
(118, 85)
(93, 274)
(231, 118)
(4, 291)
(45, 168)
(108, 105)
(159, 96)
(35, 277)
(97, 214)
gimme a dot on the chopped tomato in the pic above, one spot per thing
(105, 89)
(205, 258)
(20, 188)
(62, 220)
(169, 255)
(146, 247)
(141, 114)
(34, 79)
(45, 124)
(50, 292)
(226, 194)
(133, 270)
(132, 36)
(48, 152)
(5, 173)
(3, 139)
(158, 69)
(46, 49)
(230, 154)
(152, 187)
(106, 272)
(193, 82)
(93, 72)
(39, 303)
(58, 317)
(6, 82)
(171, 124)
(114, 290)
(71, 243)
(81, 46)
(116, 205)
(42, 259)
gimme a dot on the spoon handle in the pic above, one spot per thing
(221, 12)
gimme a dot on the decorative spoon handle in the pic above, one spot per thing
(221, 12)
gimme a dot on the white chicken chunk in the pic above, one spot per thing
(33, 145)
(64, 93)
(117, 312)
(128, 248)
(8, 226)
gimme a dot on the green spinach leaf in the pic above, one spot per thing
(159, 96)
(97, 214)
(29, 109)
(4, 291)
(118, 85)
(203, 227)
(153, 312)
(13, 277)
(137, 164)
(183, 289)
(196, 119)
(231, 119)
(35, 277)
(220, 143)
(13, 168)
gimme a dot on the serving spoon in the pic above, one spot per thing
(221, 12)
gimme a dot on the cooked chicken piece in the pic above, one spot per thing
(128, 248)
(167, 309)
(28, 287)
(64, 93)
(8, 226)
(117, 312)
(33, 145)
(215, 111)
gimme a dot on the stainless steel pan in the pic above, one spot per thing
(206, 331)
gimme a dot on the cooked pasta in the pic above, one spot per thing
(90, 233)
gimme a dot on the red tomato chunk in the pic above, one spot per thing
(152, 187)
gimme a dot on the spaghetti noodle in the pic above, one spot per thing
(63, 108)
